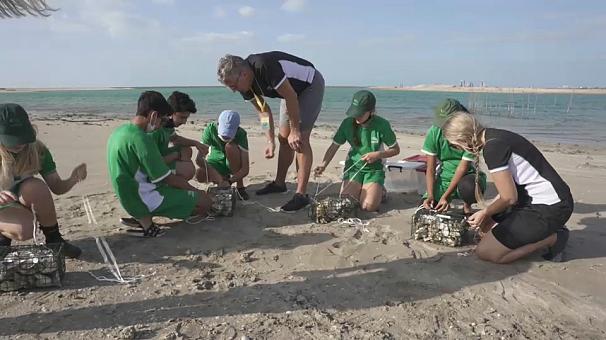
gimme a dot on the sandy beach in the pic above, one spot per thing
(266, 275)
(493, 89)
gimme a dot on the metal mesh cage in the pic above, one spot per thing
(31, 266)
(224, 201)
(331, 208)
(441, 228)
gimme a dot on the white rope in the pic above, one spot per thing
(108, 255)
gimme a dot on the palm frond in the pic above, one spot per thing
(21, 8)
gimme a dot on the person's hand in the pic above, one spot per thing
(371, 157)
(7, 197)
(294, 139)
(202, 149)
(269, 150)
(79, 173)
(319, 170)
(442, 205)
(478, 220)
(428, 203)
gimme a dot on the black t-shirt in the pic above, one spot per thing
(536, 180)
(271, 69)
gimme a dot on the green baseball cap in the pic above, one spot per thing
(445, 109)
(362, 102)
(15, 127)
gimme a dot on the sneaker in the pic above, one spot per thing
(68, 249)
(242, 194)
(297, 202)
(130, 222)
(152, 231)
(555, 253)
(5, 241)
(270, 188)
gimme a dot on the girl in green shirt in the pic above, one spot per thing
(22, 157)
(363, 176)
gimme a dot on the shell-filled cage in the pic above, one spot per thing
(224, 201)
(31, 266)
(332, 208)
(441, 228)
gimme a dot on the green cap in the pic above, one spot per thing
(445, 109)
(362, 102)
(15, 127)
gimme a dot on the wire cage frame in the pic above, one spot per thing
(31, 266)
(331, 208)
(224, 201)
(440, 228)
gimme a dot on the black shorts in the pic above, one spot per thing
(529, 224)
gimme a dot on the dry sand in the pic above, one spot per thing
(297, 279)
(494, 89)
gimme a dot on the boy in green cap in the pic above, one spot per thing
(178, 157)
(22, 157)
(144, 184)
(366, 132)
(227, 161)
(456, 178)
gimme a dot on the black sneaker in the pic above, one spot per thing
(5, 241)
(270, 188)
(242, 194)
(297, 202)
(130, 222)
(555, 253)
(68, 249)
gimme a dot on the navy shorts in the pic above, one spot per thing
(529, 224)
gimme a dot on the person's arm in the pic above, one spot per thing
(59, 186)
(292, 108)
(460, 171)
(264, 112)
(179, 182)
(182, 141)
(508, 196)
(328, 156)
(430, 180)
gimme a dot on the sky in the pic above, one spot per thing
(95, 43)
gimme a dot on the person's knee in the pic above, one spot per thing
(488, 256)
(34, 189)
(24, 233)
(188, 170)
(467, 190)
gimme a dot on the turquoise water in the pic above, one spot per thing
(569, 119)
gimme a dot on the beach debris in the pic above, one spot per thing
(224, 201)
(31, 266)
(330, 208)
(246, 256)
(128, 333)
(440, 228)
(205, 285)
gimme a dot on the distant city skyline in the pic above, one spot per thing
(101, 43)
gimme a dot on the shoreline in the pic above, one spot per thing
(493, 89)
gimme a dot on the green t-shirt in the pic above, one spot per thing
(135, 169)
(436, 145)
(161, 137)
(47, 167)
(210, 137)
(376, 132)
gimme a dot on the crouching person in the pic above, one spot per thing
(22, 158)
(143, 182)
(227, 161)
(179, 155)
(366, 132)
